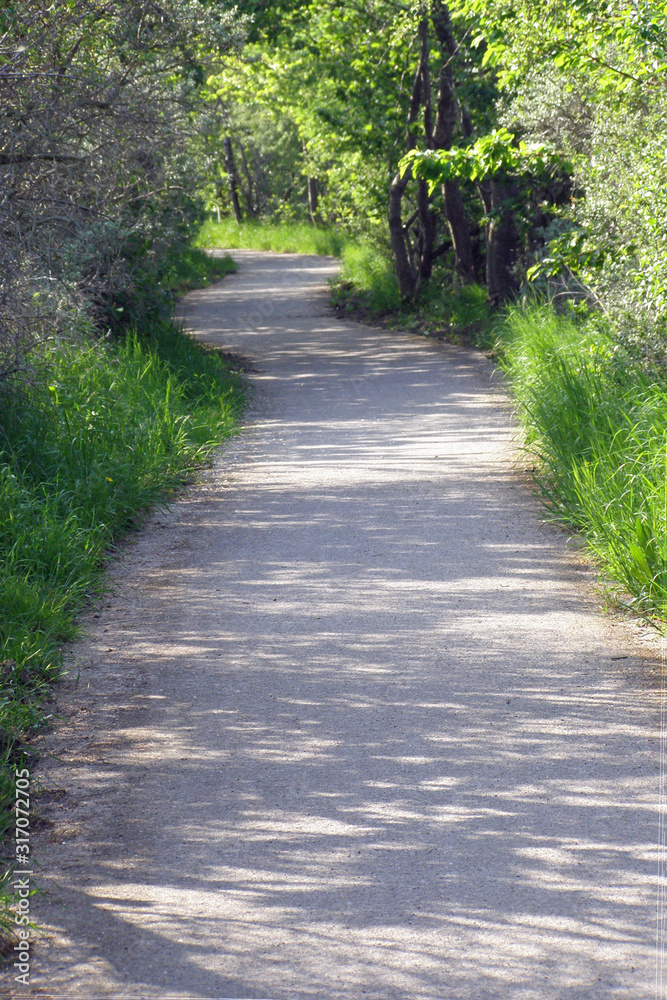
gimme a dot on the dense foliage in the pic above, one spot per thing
(513, 153)
(534, 134)
(466, 143)
(97, 104)
(588, 78)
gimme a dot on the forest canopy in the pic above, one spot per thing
(510, 146)
(503, 147)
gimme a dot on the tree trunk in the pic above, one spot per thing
(427, 224)
(459, 229)
(313, 199)
(502, 244)
(502, 238)
(249, 199)
(443, 134)
(405, 275)
(427, 230)
(405, 272)
(232, 176)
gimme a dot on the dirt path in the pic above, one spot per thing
(351, 725)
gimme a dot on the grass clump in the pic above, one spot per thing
(367, 282)
(194, 268)
(111, 428)
(368, 288)
(598, 423)
(288, 237)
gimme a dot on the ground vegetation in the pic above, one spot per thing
(106, 407)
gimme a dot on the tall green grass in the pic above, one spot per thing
(108, 429)
(289, 237)
(598, 424)
(368, 281)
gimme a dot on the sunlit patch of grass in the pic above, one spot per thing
(288, 237)
(194, 268)
(368, 281)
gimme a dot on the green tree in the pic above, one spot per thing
(589, 78)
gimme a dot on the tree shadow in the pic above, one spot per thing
(377, 744)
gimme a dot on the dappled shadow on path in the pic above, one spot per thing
(379, 743)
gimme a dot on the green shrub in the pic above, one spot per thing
(371, 276)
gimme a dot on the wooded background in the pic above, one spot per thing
(535, 133)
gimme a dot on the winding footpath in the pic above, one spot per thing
(351, 725)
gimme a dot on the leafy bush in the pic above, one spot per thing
(99, 105)
(602, 102)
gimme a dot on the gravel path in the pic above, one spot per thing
(351, 725)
